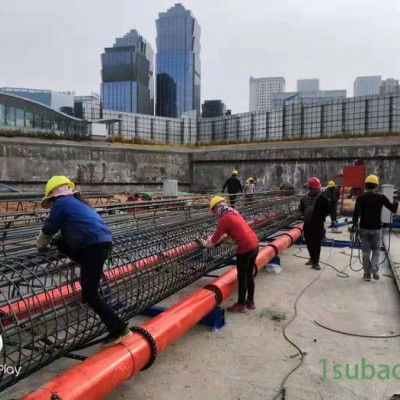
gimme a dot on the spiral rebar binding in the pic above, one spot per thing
(42, 317)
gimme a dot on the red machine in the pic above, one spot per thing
(353, 177)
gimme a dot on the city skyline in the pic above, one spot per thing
(233, 48)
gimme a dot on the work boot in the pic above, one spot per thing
(367, 277)
(112, 340)
(375, 274)
(238, 308)
(316, 266)
(309, 262)
(250, 305)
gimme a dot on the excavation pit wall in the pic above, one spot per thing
(111, 168)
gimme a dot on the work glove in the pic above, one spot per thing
(207, 243)
(42, 242)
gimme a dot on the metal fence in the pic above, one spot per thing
(357, 116)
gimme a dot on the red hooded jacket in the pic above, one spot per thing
(234, 225)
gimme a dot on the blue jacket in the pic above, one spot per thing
(79, 223)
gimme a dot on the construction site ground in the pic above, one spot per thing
(249, 357)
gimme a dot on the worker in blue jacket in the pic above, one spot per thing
(86, 239)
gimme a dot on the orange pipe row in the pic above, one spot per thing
(66, 293)
(97, 376)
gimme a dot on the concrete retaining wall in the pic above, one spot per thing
(103, 167)
(272, 165)
(112, 168)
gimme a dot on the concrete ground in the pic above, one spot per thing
(248, 358)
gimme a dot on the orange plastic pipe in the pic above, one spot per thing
(97, 376)
(65, 293)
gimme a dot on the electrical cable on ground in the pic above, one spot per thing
(340, 274)
(355, 239)
(282, 389)
(357, 334)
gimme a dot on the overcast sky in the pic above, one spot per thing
(54, 44)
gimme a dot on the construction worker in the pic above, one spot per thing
(315, 207)
(332, 192)
(86, 239)
(232, 224)
(249, 188)
(368, 208)
(234, 186)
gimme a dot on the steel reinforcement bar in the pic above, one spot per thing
(18, 230)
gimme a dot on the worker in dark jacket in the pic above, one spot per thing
(86, 239)
(232, 224)
(332, 192)
(368, 208)
(234, 186)
(315, 207)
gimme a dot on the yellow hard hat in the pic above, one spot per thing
(372, 179)
(235, 172)
(250, 179)
(56, 181)
(331, 183)
(215, 200)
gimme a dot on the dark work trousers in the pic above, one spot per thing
(313, 235)
(246, 264)
(334, 211)
(91, 260)
(232, 200)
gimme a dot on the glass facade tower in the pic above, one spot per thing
(177, 62)
(127, 75)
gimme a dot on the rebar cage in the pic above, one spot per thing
(41, 314)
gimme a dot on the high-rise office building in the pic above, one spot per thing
(307, 85)
(389, 86)
(367, 85)
(261, 90)
(213, 108)
(178, 62)
(127, 75)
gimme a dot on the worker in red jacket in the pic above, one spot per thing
(232, 224)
